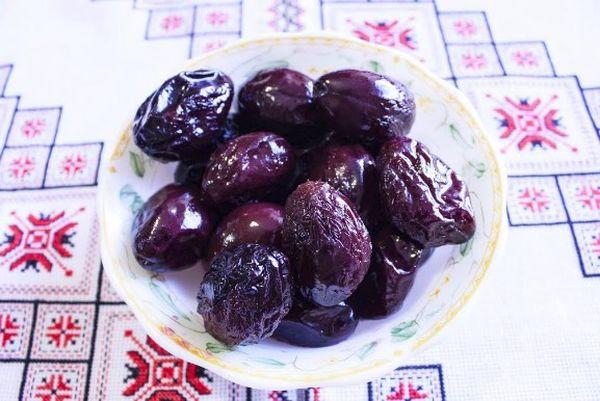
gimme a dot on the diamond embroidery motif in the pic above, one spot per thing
(63, 331)
(40, 243)
(154, 374)
(530, 123)
(73, 164)
(33, 128)
(21, 167)
(171, 22)
(393, 33)
(534, 200)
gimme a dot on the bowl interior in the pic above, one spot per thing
(165, 303)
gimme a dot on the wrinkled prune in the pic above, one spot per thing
(390, 277)
(351, 170)
(258, 223)
(364, 106)
(171, 230)
(327, 243)
(248, 167)
(184, 116)
(281, 100)
(424, 197)
(245, 294)
(308, 325)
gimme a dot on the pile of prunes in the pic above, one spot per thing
(310, 204)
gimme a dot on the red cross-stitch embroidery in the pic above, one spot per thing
(33, 127)
(278, 396)
(315, 393)
(9, 329)
(21, 167)
(214, 45)
(154, 374)
(286, 15)
(171, 22)
(63, 331)
(217, 18)
(588, 196)
(465, 27)
(407, 392)
(530, 124)
(388, 33)
(525, 58)
(474, 61)
(54, 388)
(533, 199)
(39, 242)
(73, 164)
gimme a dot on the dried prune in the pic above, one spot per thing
(252, 223)
(172, 229)
(184, 116)
(245, 294)
(391, 275)
(308, 325)
(351, 170)
(281, 100)
(364, 106)
(247, 167)
(327, 243)
(424, 197)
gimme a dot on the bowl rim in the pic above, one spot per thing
(246, 376)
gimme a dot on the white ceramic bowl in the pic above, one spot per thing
(165, 304)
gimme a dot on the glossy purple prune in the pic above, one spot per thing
(258, 223)
(327, 243)
(424, 197)
(391, 275)
(172, 229)
(184, 116)
(351, 170)
(280, 100)
(247, 167)
(245, 294)
(308, 325)
(364, 106)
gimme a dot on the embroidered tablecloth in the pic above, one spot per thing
(72, 72)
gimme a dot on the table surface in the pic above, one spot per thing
(71, 72)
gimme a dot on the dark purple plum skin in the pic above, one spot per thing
(247, 167)
(391, 275)
(424, 198)
(258, 223)
(307, 325)
(351, 170)
(245, 294)
(172, 229)
(327, 243)
(183, 116)
(364, 106)
(280, 100)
